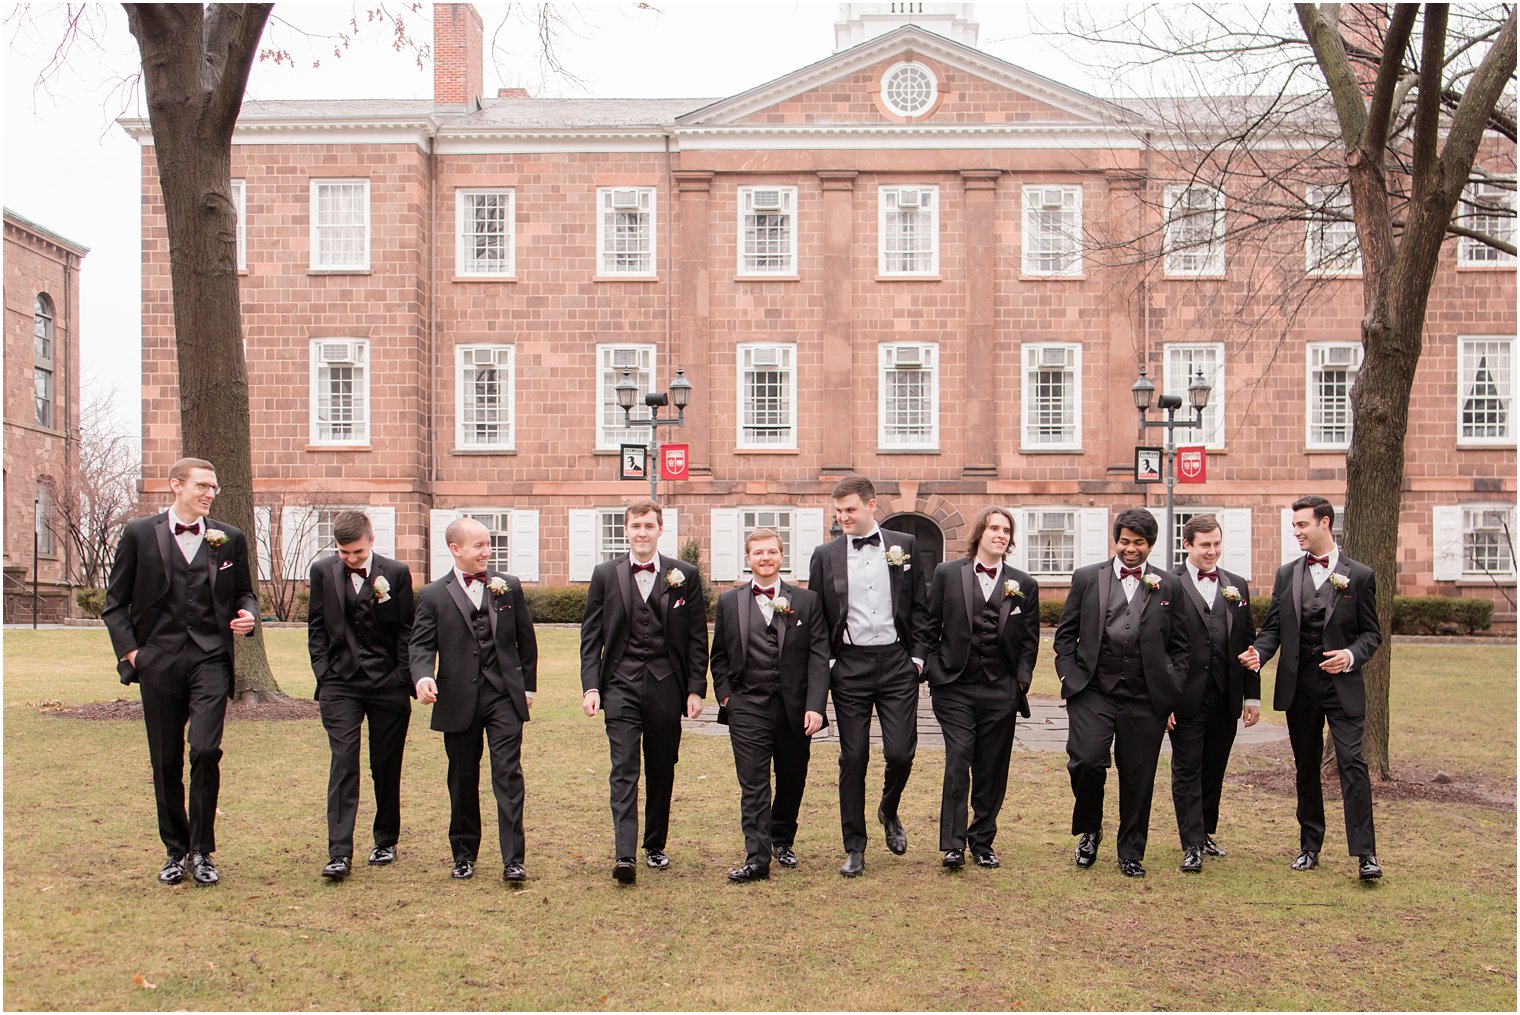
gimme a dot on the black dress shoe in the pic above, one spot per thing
(988, 859)
(1367, 867)
(1307, 860)
(624, 870)
(463, 868)
(1087, 848)
(749, 872)
(382, 855)
(337, 868)
(656, 859)
(954, 859)
(174, 870)
(897, 839)
(1131, 869)
(854, 863)
(514, 872)
(203, 870)
(785, 857)
(1210, 847)
(1192, 860)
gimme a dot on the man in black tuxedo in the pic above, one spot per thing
(984, 637)
(1121, 652)
(878, 635)
(643, 663)
(1216, 688)
(770, 669)
(474, 624)
(179, 590)
(1324, 618)
(358, 627)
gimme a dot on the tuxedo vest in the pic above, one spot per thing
(490, 662)
(363, 655)
(645, 648)
(1217, 626)
(190, 592)
(1119, 659)
(985, 659)
(1311, 623)
(762, 665)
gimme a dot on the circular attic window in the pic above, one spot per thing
(909, 89)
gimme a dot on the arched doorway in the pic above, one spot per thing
(927, 535)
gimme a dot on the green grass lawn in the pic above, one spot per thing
(84, 915)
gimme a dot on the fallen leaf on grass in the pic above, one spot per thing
(140, 980)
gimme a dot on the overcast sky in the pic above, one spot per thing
(69, 168)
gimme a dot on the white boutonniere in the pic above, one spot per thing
(896, 557)
(1339, 582)
(498, 586)
(781, 606)
(1231, 594)
(1152, 581)
(382, 589)
(216, 537)
(674, 578)
(1011, 590)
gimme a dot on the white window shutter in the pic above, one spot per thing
(1290, 548)
(1235, 530)
(583, 553)
(522, 544)
(298, 538)
(1093, 541)
(440, 560)
(725, 545)
(261, 541)
(383, 521)
(1018, 550)
(670, 538)
(1446, 543)
(807, 532)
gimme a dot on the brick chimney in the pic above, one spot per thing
(457, 70)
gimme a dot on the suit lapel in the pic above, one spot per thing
(161, 530)
(1103, 584)
(1298, 589)
(1224, 604)
(461, 600)
(968, 591)
(333, 595)
(1190, 589)
(778, 621)
(1005, 575)
(841, 577)
(212, 564)
(488, 602)
(744, 590)
(625, 584)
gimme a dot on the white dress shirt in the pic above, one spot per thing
(767, 604)
(645, 579)
(474, 590)
(189, 542)
(868, 620)
(987, 582)
(1131, 583)
(358, 581)
(1209, 590)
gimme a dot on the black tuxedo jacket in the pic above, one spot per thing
(828, 578)
(1352, 623)
(1240, 631)
(804, 638)
(325, 615)
(952, 618)
(1163, 634)
(137, 592)
(443, 632)
(682, 609)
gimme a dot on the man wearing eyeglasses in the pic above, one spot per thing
(179, 590)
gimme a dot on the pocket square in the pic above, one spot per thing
(225, 565)
(678, 604)
(1016, 611)
(1166, 602)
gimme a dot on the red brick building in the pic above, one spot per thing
(41, 413)
(894, 261)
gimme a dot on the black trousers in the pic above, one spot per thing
(863, 677)
(977, 718)
(762, 736)
(344, 708)
(644, 712)
(190, 686)
(1200, 753)
(1314, 703)
(1125, 722)
(498, 724)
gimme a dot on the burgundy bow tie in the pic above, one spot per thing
(644, 567)
(990, 572)
(757, 592)
(363, 572)
(1321, 561)
(1129, 572)
(480, 576)
(193, 528)
(1212, 576)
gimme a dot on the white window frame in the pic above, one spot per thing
(1315, 355)
(1211, 434)
(1318, 229)
(1507, 439)
(317, 184)
(1468, 511)
(521, 534)
(789, 563)
(609, 438)
(648, 200)
(42, 521)
(788, 200)
(1030, 251)
(1208, 260)
(362, 421)
(887, 201)
(787, 354)
(1472, 253)
(506, 364)
(1030, 363)
(498, 522)
(887, 353)
(240, 213)
(886, 94)
(1090, 539)
(462, 238)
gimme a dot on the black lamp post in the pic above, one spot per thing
(1143, 392)
(679, 396)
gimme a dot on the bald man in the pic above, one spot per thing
(473, 625)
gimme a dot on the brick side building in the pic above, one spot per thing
(41, 414)
(897, 261)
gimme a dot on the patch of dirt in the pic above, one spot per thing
(1271, 769)
(267, 710)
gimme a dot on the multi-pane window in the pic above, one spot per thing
(498, 524)
(909, 88)
(1487, 207)
(638, 361)
(485, 232)
(42, 395)
(625, 231)
(1180, 516)
(908, 230)
(779, 519)
(1181, 365)
(1330, 247)
(909, 396)
(42, 351)
(340, 391)
(1485, 390)
(767, 231)
(1332, 370)
(611, 540)
(485, 397)
(1488, 541)
(240, 214)
(1052, 402)
(340, 225)
(1194, 237)
(1052, 230)
(1050, 538)
(46, 546)
(767, 396)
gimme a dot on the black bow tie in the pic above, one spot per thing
(1321, 561)
(644, 567)
(1212, 576)
(363, 572)
(1129, 572)
(990, 572)
(873, 539)
(194, 529)
(757, 592)
(480, 576)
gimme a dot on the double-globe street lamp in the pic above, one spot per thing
(1143, 392)
(680, 395)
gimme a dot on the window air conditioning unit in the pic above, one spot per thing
(1053, 521)
(1053, 357)
(909, 198)
(337, 352)
(767, 357)
(1340, 356)
(1052, 198)
(908, 356)
(625, 200)
(765, 200)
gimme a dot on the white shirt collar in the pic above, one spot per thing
(1119, 566)
(1194, 572)
(1334, 555)
(874, 530)
(775, 588)
(175, 519)
(655, 560)
(459, 577)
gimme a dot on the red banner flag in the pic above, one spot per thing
(1192, 465)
